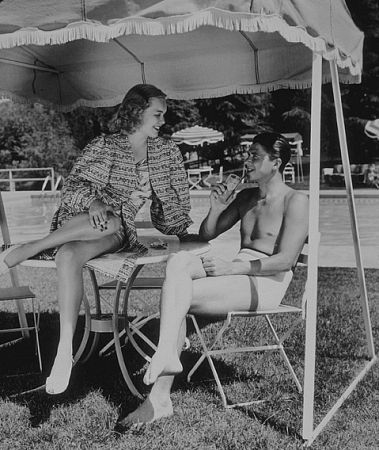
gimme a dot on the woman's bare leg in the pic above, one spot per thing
(76, 229)
(70, 260)
(176, 299)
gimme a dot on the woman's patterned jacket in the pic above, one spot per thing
(107, 171)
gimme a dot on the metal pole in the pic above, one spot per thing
(12, 184)
(52, 185)
(350, 200)
(314, 195)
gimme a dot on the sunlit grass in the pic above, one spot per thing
(85, 416)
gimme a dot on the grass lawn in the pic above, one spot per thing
(84, 417)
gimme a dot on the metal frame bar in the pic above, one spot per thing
(208, 352)
(310, 433)
(312, 273)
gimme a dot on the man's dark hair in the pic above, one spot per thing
(276, 146)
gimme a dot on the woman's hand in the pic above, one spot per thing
(220, 197)
(215, 267)
(98, 214)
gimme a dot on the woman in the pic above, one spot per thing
(99, 201)
(273, 227)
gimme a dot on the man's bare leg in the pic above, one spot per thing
(176, 298)
(70, 260)
(76, 229)
(188, 289)
(158, 403)
(211, 296)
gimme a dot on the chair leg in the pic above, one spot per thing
(206, 354)
(134, 328)
(36, 319)
(203, 344)
(208, 351)
(86, 332)
(284, 354)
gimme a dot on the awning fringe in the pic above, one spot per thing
(96, 31)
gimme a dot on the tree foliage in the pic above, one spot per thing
(33, 136)
(36, 136)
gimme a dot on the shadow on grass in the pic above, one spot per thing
(340, 346)
(20, 375)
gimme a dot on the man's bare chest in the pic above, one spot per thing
(263, 219)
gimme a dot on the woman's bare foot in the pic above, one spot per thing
(149, 411)
(161, 364)
(60, 374)
(6, 258)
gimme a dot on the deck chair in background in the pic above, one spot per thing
(19, 294)
(216, 347)
(289, 173)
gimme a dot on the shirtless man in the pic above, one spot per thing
(274, 226)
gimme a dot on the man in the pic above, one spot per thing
(273, 225)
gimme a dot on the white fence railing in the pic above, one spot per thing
(49, 178)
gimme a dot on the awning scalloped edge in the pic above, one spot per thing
(190, 95)
(96, 31)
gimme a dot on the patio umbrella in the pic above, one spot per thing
(372, 129)
(197, 135)
(90, 52)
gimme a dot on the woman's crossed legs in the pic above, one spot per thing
(70, 259)
(78, 242)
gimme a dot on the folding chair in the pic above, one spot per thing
(289, 173)
(22, 293)
(19, 294)
(210, 349)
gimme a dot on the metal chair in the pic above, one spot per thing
(289, 173)
(22, 293)
(215, 347)
(19, 294)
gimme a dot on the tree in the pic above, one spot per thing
(87, 123)
(234, 113)
(34, 136)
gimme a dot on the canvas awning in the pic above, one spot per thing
(90, 52)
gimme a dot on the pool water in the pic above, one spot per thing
(29, 215)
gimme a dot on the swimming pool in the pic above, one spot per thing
(29, 214)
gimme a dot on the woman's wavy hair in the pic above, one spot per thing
(276, 146)
(129, 115)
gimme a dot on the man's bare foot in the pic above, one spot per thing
(162, 365)
(60, 374)
(149, 411)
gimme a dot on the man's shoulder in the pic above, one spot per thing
(297, 195)
(296, 199)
